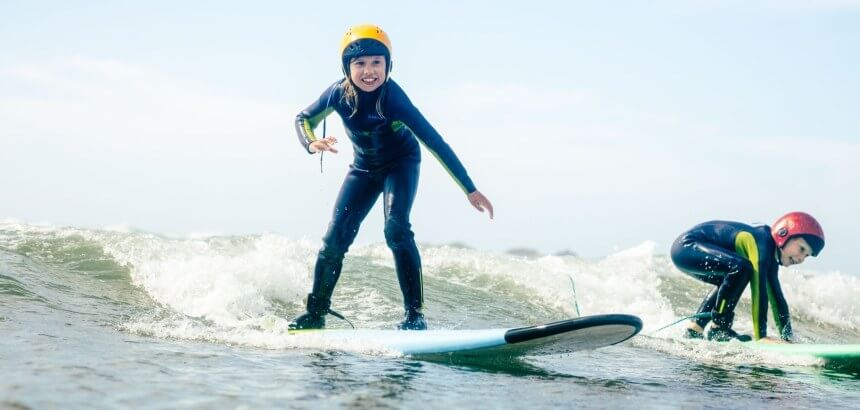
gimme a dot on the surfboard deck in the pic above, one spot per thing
(566, 336)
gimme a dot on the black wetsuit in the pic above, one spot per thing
(730, 255)
(385, 131)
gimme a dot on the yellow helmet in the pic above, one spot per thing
(364, 40)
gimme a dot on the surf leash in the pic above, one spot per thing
(327, 103)
(341, 317)
(575, 302)
(696, 316)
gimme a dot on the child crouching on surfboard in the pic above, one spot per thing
(385, 129)
(731, 254)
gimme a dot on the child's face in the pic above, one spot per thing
(795, 251)
(367, 72)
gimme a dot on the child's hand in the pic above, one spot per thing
(325, 144)
(480, 202)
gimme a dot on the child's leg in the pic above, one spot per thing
(399, 194)
(711, 264)
(357, 196)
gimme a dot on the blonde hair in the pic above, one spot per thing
(350, 97)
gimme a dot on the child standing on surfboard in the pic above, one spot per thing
(385, 129)
(731, 254)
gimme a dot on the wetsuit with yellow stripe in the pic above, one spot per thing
(730, 255)
(385, 129)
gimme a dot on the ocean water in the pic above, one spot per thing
(125, 319)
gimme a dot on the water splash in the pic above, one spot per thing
(245, 289)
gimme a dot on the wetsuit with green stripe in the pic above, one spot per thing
(730, 255)
(385, 129)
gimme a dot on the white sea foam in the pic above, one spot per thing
(215, 279)
(625, 282)
(234, 289)
(829, 297)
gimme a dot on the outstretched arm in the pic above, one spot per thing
(406, 114)
(781, 315)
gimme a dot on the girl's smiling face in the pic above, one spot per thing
(795, 251)
(367, 72)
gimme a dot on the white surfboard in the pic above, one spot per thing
(566, 336)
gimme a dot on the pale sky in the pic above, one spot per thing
(592, 126)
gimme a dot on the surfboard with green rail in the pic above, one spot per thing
(842, 353)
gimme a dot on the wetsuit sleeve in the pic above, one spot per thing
(409, 116)
(781, 315)
(310, 117)
(746, 246)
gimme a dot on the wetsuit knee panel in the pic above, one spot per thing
(398, 232)
(338, 239)
(332, 253)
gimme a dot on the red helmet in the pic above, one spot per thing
(798, 223)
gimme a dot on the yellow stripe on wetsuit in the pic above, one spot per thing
(745, 245)
(309, 123)
(397, 125)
